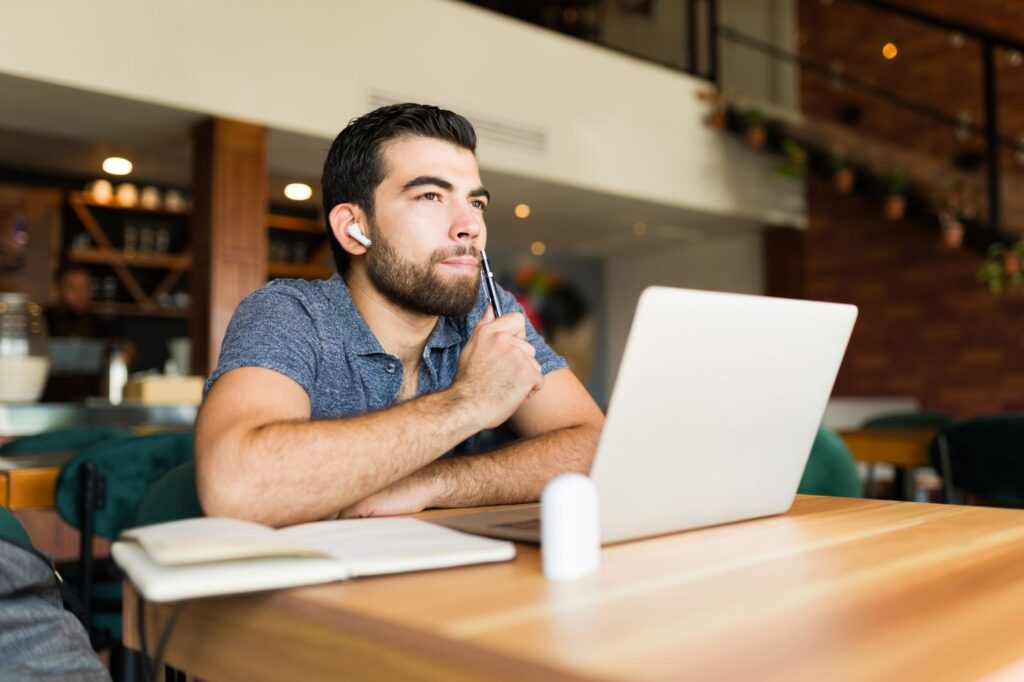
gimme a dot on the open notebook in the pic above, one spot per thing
(213, 556)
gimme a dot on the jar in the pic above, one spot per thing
(24, 362)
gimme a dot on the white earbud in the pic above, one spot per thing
(357, 234)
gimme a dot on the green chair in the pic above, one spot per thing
(11, 529)
(71, 438)
(100, 491)
(983, 457)
(830, 469)
(172, 498)
(911, 419)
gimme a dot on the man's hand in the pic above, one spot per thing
(497, 368)
(414, 493)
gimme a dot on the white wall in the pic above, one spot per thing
(729, 263)
(612, 123)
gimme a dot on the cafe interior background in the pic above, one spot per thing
(856, 151)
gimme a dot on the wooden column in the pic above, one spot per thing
(785, 262)
(229, 232)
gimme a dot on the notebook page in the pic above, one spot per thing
(205, 540)
(391, 545)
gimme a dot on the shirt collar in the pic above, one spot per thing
(361, 340)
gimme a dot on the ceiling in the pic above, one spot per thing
(55, 129)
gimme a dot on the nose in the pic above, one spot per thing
(467, 224)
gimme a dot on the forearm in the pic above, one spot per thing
(516, 473)
(287, 472)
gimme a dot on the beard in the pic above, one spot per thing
(418, 288)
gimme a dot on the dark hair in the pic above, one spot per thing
(355, 163)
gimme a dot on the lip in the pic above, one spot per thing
(462, 262)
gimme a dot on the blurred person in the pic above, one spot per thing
(72, 316)
(355, 395)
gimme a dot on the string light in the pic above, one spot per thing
(889, 51)
(116, 165)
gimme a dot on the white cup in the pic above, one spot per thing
(570, 531)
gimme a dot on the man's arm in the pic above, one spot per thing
(259, 457)
(559, 426)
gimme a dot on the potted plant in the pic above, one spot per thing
(952, 230)
(754, 132)
(895, 201)
(991, 271)
(716, 118)
(843, 176)
(795, 164)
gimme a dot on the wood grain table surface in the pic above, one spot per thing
(836, 589)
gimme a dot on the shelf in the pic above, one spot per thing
(287, 222)
(81, 198)
(136, 310)
(107, 256)
(299, 271)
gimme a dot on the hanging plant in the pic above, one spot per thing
(1002, 267)
(795, 164)
(754, 132)
(895, 184)
(843, 176)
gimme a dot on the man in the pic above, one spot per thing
(71, 317)
(345, 395)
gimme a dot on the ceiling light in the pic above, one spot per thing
(889, 51)
(522, 210)
(639, 229)
(538, 248)
(298, 191)
(115, 165)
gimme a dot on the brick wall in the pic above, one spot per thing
(926, 327)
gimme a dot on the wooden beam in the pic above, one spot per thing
(229, 230)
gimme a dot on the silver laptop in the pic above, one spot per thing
(715, 409)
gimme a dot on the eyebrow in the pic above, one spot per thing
(443, 184)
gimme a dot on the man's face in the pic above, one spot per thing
(74, 290)
(428, 227)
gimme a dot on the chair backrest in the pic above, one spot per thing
(831, 469)
(129, 467)
(71, 438)
(11, 529)
(911, 419)
(172, 498)
(986, 457)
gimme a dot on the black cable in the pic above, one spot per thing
(161, 646)
(150, 667)
(140, 616)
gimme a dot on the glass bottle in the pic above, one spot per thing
(24, 360)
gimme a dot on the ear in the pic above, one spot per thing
(343, 215)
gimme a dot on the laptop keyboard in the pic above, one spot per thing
(528, 524)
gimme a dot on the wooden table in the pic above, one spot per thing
(905, 449)
(837, 589)
(899, 447)
(27, 487)
(27, 480)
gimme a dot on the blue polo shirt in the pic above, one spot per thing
(311, 332)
